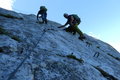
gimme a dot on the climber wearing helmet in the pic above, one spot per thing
(43, 13)
(73, 20)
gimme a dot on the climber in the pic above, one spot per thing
(73, 21)
(43, 13)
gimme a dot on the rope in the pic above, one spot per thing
(12, 74)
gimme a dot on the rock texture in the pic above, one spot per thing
(33, 51)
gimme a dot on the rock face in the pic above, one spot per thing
(32, 51)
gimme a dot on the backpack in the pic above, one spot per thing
(43, 8)
(77, 19)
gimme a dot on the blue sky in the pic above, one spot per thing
(100, 18)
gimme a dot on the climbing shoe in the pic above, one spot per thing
(82, 38)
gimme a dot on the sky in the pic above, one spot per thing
(100, 18)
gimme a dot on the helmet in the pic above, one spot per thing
(42, 7)
(65, 15)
